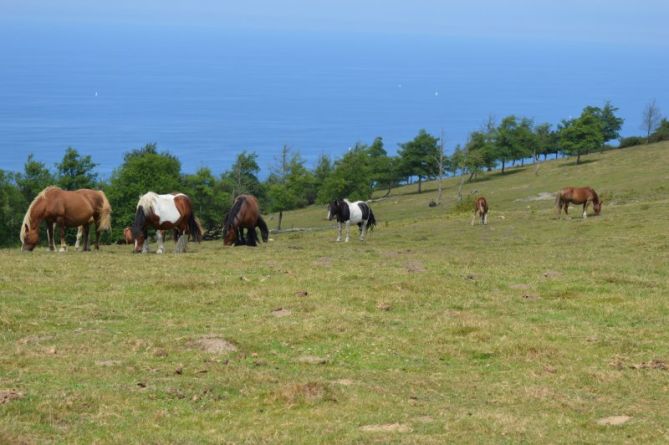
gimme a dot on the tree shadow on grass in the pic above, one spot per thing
(573, 163)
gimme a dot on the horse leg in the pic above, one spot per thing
(159, 240)
(77, 243)
(485, 218)
(338, 231)
(145, 247)
(87, 229)
(97, 237)
(363, 230)
(252, 237)
(348, 231)
(585, 210)
(63, 244)
(49, 235)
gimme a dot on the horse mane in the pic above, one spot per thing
(232, 214)
(595, 196)
(26, 219)
(147, 201)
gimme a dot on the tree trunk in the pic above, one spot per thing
(462, 182)
(578, 158)
(278, 227)
(420, 183)
(503, 162)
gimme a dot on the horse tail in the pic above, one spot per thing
(558, 199)
(371, 221)
(264, 231)
(195, 228)
(105, 213)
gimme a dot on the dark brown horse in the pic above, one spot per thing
(165, 212)
(578, 195)
(480, 210)
(244, 214)
(67, 209)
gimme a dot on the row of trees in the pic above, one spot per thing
(291, 184)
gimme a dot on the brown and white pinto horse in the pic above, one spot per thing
(578, 195)
(67, 209)
(165, 212)
(244, 214)
(480, 210)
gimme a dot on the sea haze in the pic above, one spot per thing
(205, 94)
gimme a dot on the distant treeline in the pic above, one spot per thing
(290, 185)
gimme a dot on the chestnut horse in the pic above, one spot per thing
(165, 212)
(480, 210)
(244, 214)
(67, 209)
(578, 195)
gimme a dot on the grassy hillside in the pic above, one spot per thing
(530, 329)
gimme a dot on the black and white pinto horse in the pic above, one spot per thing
(348, 212)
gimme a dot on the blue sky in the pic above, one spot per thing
(641, 22)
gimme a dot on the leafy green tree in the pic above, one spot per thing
(143, 170)
(661, 133)
(210, 201)
(76, 171)
(505, 140)
(12, 202)
(609, 123)
(526, 140)
(322, 170)
(547, 140)
(243, 176)
(384, 168)
(581, 135)
(351, 177)
(474, 156)
(34, 179)
(290, 185)
(419, 157)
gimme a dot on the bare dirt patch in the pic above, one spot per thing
(382, 306)
(543, 196)
(530, 297)
(213, 345)
(520, 286)
(415, 266)
(107, 363)
(343, 382)
(312, 392)
(613, 420)
(653, 364)
(8, 395)
(386, 428)
(323, 261)
(281, 312)
(552, 274)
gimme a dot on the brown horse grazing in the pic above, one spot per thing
(480, 210)
(578, 195)
(165, 212)
(67, 209)
(244, 214)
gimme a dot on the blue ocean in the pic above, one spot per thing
(206, 94)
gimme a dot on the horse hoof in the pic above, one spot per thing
(159, 252)
(61, 250)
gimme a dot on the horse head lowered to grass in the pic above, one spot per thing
(65, 208)
(165, 212)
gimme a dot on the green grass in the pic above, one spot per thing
(528, 330)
